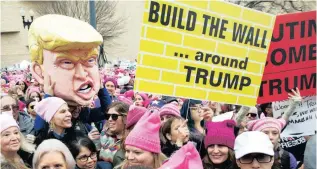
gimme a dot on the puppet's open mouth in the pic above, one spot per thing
(85, 89)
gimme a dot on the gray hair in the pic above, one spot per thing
(52, 145)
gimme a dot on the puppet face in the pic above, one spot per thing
(75, 73)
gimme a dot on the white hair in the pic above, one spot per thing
(51, 145)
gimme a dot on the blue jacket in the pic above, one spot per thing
(26, 124)
(87, 115)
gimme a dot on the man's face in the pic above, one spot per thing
(10, 106)
(75, 74)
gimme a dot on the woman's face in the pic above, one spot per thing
(86, 159)
(175, 134)
(218, 153)
(52, 159)
(35, 96)
(62, 117)
(110, 87)
(137, 156)
(30, 108)
(195, 112)
(116, 126)
(22, 85)
(10, 140)
(273, 133)
(138, 100)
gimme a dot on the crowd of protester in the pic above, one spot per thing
(123, 129)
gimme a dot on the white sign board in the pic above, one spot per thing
(303, 121)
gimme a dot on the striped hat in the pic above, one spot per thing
(170, 109)
(266, 122)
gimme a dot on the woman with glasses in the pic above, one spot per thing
(86, 155)
(254, 150)
(113, 131)
(195, 113)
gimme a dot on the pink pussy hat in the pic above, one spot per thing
(186, 157)
(266, 122)
(134, 115)
(47, 108)
(170, 109)
(145, 134)
(7, 121)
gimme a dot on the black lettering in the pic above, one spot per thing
(211, 79)
(287, 82)
(174, 16)
(206, 18)
(312, 52)
(256, 38)
(201, 74)
(263, 40)
(214, 27)
(199, 56)
(154, 9)
(229, 84)
(292, 53)
(291, 26)
(189, 72)
(215, 59)
(166, 14)
(308, 85)
(275, 84)
(180, 18)
(281, 34)
(245, 81)
(191, 21)
(249, 38)
(302, 29)
(243, 64)
(223, 28)
(237, 32)
(311, 28)
(274, 55)
(261, 88)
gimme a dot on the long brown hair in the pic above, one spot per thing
(166, 128)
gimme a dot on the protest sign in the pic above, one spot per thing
(303, 121)
(207, 50)
(294, 145)
(291, 60)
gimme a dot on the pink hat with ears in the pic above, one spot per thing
(186, 157)
(129, 94)
(33, 89)
(143, 95)
(145, 134)
(134, 115)
(170, 109)
(266, 122)
(47, 108)
(125, 100)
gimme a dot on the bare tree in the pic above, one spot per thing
(278, 6)
(109, 25)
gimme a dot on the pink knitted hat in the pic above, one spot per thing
(33, 89)
(220, 133)
(170, 109)
(266, 122)
(134, 115)
(47, 108)
(114, 81)
(186, 157)
(7, 121)
(145, 134)
(125, 100)
(129, 94)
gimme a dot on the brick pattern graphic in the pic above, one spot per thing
(165, 50)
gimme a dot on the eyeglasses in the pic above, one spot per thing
(10, 107)
(85, 158)
(113, 116)
(251, 114)
(261, 158)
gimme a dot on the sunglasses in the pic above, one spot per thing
(32, 107)
(252, 115)
(113, 116)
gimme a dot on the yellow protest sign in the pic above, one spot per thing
(206, 50)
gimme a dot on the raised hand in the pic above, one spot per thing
(295, 96)
(207, 113)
